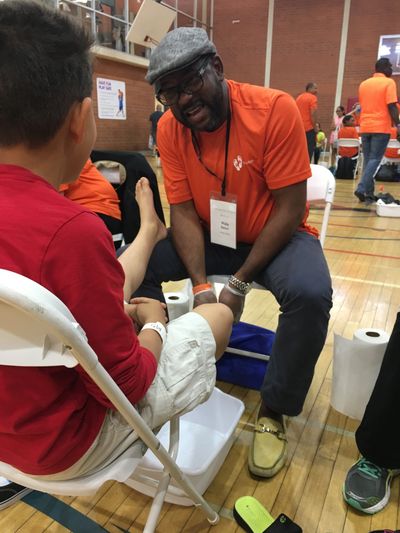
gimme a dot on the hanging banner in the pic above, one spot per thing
(111, 100)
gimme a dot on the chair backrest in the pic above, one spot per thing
(348, 143)
(321, 186)
(394, 143)
(31, 318)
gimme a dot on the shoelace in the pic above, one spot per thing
(370, 469)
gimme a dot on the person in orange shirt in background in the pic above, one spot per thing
(392, 152)
(238, 207)
(348, 131)
(378, 101)
(307, 103)
(94, 191)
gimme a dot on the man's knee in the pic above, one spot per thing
(310, 297)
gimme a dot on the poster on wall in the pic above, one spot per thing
(111, 100)
(389, 46)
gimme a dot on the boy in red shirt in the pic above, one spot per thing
(55, 422)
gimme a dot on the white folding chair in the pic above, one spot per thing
(321, 186)
(37, 329)
(392, 144)
(350, 143)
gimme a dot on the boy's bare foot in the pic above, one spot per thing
(149, 220)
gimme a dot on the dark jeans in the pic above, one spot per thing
(299, 279)
(373, 146)
(115, 228)
(311, 142)
(378, 437)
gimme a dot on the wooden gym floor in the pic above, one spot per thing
(362, 250)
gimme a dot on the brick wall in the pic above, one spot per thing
(240, 36)
(133, 133)
(306, 41)
(368, 21)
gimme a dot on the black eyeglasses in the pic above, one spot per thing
(171, 95)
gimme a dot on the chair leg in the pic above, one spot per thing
(162, 488)
(152, 519)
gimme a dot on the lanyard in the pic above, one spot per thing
(198, 152)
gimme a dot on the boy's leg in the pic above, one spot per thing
(220, 320)
(135, 258)
(186, 370)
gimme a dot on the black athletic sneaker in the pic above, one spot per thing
(360, 196)
(11, 492)
(367, 486)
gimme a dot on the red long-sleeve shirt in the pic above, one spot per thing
(49, 417)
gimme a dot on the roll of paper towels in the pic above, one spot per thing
(356, 365)
(177, 304)
(371, 336)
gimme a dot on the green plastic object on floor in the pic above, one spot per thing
(253, 517)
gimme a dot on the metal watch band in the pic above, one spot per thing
(159, 328)
(241, 286)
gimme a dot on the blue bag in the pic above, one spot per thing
(246, 358)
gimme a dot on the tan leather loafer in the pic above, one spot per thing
(267, 454)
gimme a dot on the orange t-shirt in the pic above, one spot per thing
(347, 132)
(92, 190)
(392, 152)
(267, 150)
(307, 103)
(374, 95)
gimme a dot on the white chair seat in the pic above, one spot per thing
(120, 470)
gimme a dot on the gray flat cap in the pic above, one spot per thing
(177, 50)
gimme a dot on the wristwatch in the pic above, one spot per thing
(241, 286)
(159, 328)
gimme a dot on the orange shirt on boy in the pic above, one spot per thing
(267, 150)
(93, 191)
(347, 132)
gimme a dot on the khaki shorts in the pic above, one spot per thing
(185, 378)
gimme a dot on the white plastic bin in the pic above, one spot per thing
(387, 210)
(206, 436)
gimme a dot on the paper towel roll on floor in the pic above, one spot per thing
(177, 304)
(356, 365)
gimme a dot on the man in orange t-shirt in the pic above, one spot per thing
(238, 207)
(307, 103)
(378, 99)
(95, 192)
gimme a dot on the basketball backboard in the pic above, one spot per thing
(151, 23)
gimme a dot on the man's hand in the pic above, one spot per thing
(234, 302)
(204, 297)
(143, 310)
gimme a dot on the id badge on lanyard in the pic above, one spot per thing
(223, 219)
